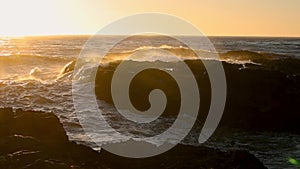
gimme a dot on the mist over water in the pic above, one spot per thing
(36, 74)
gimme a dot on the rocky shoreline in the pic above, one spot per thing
(32, 140)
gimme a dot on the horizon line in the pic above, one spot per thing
(57, 35)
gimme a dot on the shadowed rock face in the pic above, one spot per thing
(259, 97)
(38, 140)
(35, 140)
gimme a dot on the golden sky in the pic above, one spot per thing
(212, 17)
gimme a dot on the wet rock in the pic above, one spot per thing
(37, 140)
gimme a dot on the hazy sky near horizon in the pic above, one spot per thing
(212, 17)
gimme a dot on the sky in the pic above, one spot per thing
(212, 17)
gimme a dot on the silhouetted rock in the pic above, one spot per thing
(35, 140)
(259, 97)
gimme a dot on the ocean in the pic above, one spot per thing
(36, 73)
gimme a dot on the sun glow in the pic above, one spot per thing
(48, 17)
(229, 17)
(19, 19)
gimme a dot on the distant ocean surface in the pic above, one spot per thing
(33, 77)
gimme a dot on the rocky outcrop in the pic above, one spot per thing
(35, 140)
(259, 97)
(38, 140)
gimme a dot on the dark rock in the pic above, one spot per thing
(259, 97)
(40, 142)
(183, 156)
(262, 98)
(6, 117)
(40, 125)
